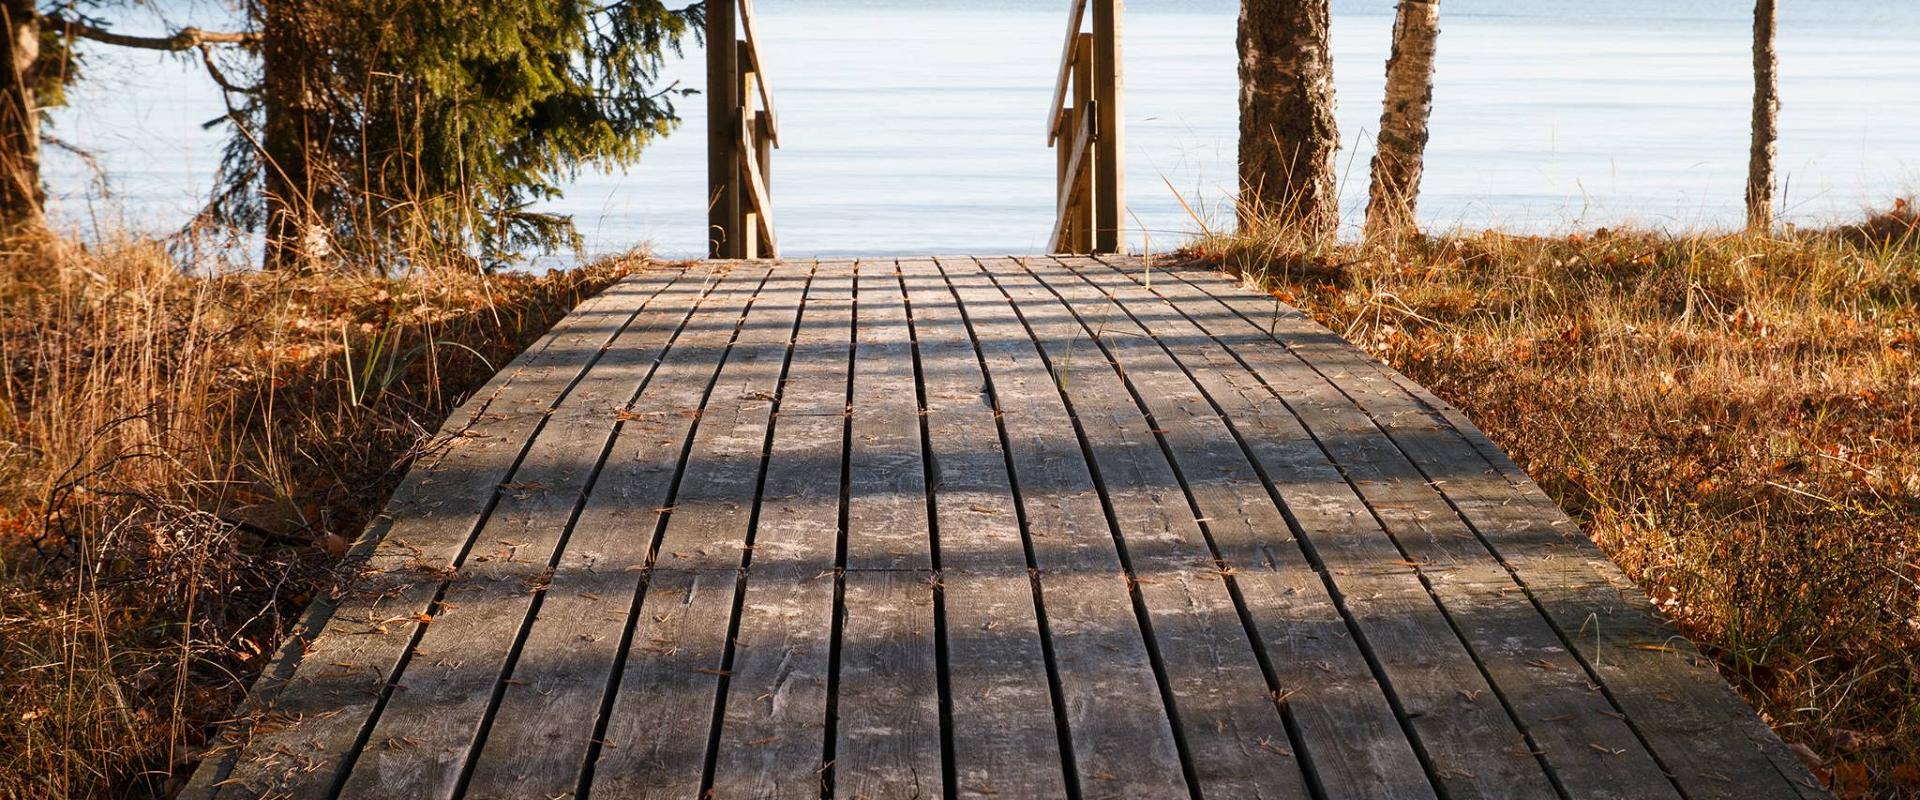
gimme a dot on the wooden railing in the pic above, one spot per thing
(741, 137)
(1088, 135)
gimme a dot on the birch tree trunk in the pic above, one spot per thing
(1766, 117)
(1401, 155)
(22, 197)
(1288, 136)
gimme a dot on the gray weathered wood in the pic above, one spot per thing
(1122, 741)
(663, 711)
(887, 489)
(1589, 748)
(314, 702)
(1235, 737)
(1106, 534)
(1352, 738)
(539, 739)
(888, 739)
(774, 732)
(888, 730)
(1004, 737)
(421, 741)
(1466, 733)
(1539, 552)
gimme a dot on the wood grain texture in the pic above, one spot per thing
(1351, 736)
(419, 745)
(1236, 740)
(1004, 735)
(658, 725)
(888, 741)
(949, 527)
(310, 708)
(1583, 740)
(1121, 735)
(887, 491)
(888, 735)
(1546, 552)
(774, 731)
(538, 742)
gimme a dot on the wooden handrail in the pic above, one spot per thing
(756, 185)
(1071, 185)
(1057, 112)
(1091, 205)
(759, 69)
(741, 136)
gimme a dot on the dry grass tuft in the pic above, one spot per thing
(182, 458)
(1732, 418)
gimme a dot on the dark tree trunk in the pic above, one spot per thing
(296, 236)
(1288, 136)
(22, 197)
(1401, 155)
(1766, 118)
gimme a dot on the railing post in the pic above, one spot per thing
(1084, 217)
(724, 231)
(1109, 88)
(749, 129)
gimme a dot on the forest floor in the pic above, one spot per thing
(183, 459)
(1734, 419)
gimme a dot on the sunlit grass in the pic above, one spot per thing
(182, 460)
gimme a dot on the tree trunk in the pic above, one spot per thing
(1766, 118)
(295, 234)
(22, 197)
(1400, 158)
(1288, 136)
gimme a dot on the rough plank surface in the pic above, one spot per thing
(1024, 527)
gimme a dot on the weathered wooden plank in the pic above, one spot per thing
(774, 729)
(1592, 752)
(1349, 733)
(708, 525)
(887, 490)
(1460, 722)
(311, 707)
(1589, 748)
(1615, 619)
(888, 741)
(1122, 741)
(1235, 737)
(659, 722)
(538, 743)
(1004, 736)
(1537, 543)
(420, 744)
(1672, 692)
(1436, 602)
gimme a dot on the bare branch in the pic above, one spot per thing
(182, 40)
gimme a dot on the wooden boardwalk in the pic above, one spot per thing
(978, 528)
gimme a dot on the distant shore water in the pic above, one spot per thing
(915, 127)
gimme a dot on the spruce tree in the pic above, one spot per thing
(392, 132)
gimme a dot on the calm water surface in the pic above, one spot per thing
(918, 127)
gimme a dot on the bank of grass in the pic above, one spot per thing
(1733, 419)
(182, 460)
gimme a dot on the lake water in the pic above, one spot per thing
(915, 127)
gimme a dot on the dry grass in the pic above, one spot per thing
(1733, 419)
(181, 460)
